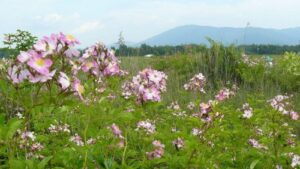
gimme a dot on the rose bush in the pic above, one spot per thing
(65, 108)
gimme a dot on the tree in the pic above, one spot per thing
(122, 45)
(19, 41)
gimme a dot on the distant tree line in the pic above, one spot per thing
(24, 40)
(157, 50)
(144, 49)
(270, 49)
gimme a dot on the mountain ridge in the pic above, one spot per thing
(195, 34)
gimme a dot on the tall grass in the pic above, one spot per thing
(221, 65)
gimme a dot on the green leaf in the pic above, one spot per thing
(13, 126)
(44, 162)
(2, 119)
(30, 164)
(253, 164)
(17, 164)
(108, 163)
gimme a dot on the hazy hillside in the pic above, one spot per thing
(251, 35)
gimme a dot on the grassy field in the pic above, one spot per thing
(180, 68)
(90, 114)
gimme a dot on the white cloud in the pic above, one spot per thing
(57, 18)
(140, 19)
(52, 18)
(147, 18)
(87, 26)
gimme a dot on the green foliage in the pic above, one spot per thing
(20, 41)
(287, 71)
(7, 131)
(145, 49)
(5, 52)
(223, 143)
(253, 49)
(253, 75)
(218, 62)
(269, 49)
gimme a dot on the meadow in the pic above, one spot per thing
(219, 108)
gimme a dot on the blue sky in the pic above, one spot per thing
(102, 20)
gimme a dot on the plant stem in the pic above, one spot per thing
(124, 152)
(85, 139)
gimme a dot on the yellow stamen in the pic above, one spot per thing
(90, 64)
(70, 37)
(40, 62)
(80, 89)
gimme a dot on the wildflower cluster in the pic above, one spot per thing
(178, 143)
(191, 106)
(118, 134)
(53, 63)
(248, 61)
(99, 61)
(224, 94)
(175, 107)
(247, 111)
(64, 128)
(55, 58)
(196, 131)
(158, 152)
(146, 125)
(28, 143)
(146, 86)
(37, 64)
(79, 141)
(281, 104)
(18, 112)
(254, 143)
(295, 160)
(205, 109)
(196, 83)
